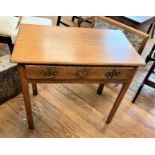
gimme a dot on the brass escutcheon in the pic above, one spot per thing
(51, 73)
(82, 73)
(112, 74)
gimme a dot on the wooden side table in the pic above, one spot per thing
(73, 55)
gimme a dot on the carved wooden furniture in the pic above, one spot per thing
(73, 55)
(138, 22)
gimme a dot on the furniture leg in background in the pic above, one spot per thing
(59, 21)
(153, 29)
(146, 81)
(100, 88)
(34, 88)
(149, 57)
(80, 20)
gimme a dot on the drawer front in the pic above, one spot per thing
(71, 72)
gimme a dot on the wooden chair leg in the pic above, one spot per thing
(138, 91)
(100, 89)
(34, 88)
(153, 29)
(145, 80)
(79, 22)
(73, 18)
(148, 58)
(58, 20)
(150, 27)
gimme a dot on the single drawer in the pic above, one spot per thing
(74, 73)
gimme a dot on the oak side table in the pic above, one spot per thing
(73, 55)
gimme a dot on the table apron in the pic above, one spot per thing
(78, 81)
(71, 74)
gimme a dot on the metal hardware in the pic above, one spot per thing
(49, 73)
(82, 73)
(112, 74)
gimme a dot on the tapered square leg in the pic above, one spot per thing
(117, 102)
(100, 89)
(152, 35)
(26, 95)
(34, 88)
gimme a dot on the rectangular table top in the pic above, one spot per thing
(73, 46)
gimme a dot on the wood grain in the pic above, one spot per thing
(26, 95)
(74, 46)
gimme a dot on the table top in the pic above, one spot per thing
(140, 19)
(73, 46)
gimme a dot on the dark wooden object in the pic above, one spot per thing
(146, 82)
(138, 22)
(59, 21)
(79, 20)
(150, 57)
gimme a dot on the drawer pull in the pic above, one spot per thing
(112, 74)
(82, 73)
(51, 73)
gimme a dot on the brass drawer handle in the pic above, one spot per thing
(112, 74)
(50, 73)
(82, 73)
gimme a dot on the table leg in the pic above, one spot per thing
(100, 89)
(118, 101)
(34, 88)
(150, 27)
(58, 20)
(152, 35)
(26, 95)
(73, 18)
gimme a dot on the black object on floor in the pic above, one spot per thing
(146, 80)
